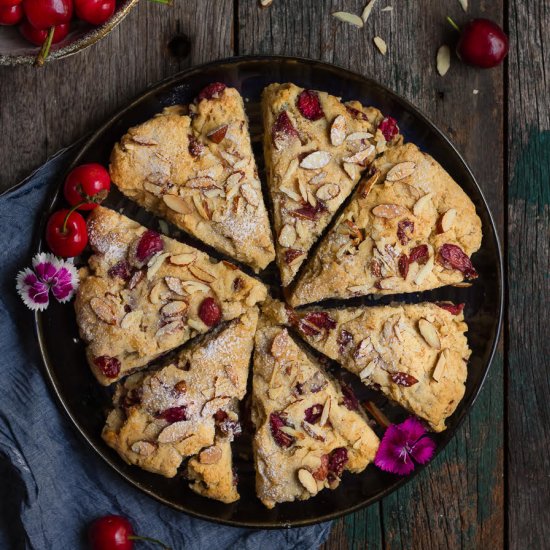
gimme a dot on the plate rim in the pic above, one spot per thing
(38, 243)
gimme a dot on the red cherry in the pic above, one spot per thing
(210, 312)
(87, 185)
(482, 43)
(66, 233)
(95, 12)
(37, 37)
(11, 15)
(43, 14)
(9, 3)
(114, 533)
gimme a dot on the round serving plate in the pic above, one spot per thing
(86, 402)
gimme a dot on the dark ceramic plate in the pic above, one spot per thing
(86, 402)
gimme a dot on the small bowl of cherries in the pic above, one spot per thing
(36, 31)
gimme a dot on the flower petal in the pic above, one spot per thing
(423, 450)
(65, 283)
(392, 455)
(46, 266)
(413, 429)
(33, 292)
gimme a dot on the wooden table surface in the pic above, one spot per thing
(491, 486)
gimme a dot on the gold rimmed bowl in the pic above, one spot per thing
(15, 50)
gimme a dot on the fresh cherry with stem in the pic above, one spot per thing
(482, 43)
(46, 15)
(115, 533)
(95, 12)
(66, 233)
(37, 37)
(87, 186)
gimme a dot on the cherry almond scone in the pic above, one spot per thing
(409, 227)
(188, 409)
(194, 167)
(144, 294)
(307, 431)
(315, 149)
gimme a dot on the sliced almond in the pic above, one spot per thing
(315, 160)
(218, 134)
(291, 169)
(367, 10)
(287, 236)
(367, 371)
(152, 188)
(177, 204)
(328, 191)
(131, 319)
(203, 182)
(175, 432)
(169, 329)
(359, 289)
(104, 310)
(302, 187)
(448, 220)
(401, 171)
(421, 204)
(358, 136)
(201, 274)
(250, 194)
(326, 412)
(349, 18)
(464, 4)
(307, 480)
(194, 286)
(443, 59)
(439, 369)
(143, 448)
(350, 169)
(424, 271)
(311, 198)
(429, 333)
(234, 179)
(290, 193)
(175, 285)
(390, 283)
(174, 309)
(318, 178)
(202, 207)
(389, 211)
(279, 344)
(360, 156)
(380, 44)
(155, 293)
(155, 264)
(183, 259)
(338, 131)
(210, 455)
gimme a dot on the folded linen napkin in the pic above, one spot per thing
(51, 483)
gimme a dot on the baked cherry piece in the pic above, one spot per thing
(66, 233)
(95, 12)
(38, 37)
(210, 312)
(482, 43)
(11, 15)
(86, 186)
(114, 533)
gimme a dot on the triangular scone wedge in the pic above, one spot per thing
(211, 472)
(144, 294)
(415, 354)
(305, 436)
(187, 408)
(197, 171)
(315, 149)
(409, 227)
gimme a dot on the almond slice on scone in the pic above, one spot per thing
(188, 408)
(195, 168)
(415, 354)
(144, 294)
(408, 228)
(315, 149)
(307, 432)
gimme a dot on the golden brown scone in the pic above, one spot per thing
(415, 354)
(315, 149)
(144, 294)
(197, 171)
(183, 409)
(400, 233)
(211, 472)
(306, 435)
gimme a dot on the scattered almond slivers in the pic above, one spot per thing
(349, 18)
(443, 60)
(464, 4)
(381, 45)
(367, 10)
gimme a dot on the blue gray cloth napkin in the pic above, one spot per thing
(51, 483)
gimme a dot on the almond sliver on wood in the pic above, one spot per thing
(381, 45)
(367, 10)
(349, 18)
(443, 60)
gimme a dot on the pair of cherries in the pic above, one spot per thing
(46, 22)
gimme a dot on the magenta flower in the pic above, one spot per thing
(48, 273)
(402, 446)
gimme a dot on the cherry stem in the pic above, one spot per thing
(453, 24)
(167, 2)
(73, 209)
(149, 539)
(45, 50)
(377, 414)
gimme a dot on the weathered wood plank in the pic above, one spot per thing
(528, 269)
(459, 500)
(44, 109)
